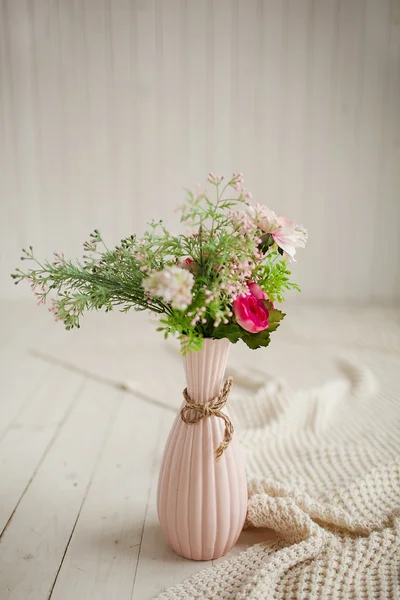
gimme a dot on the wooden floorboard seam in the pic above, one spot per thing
(119, 385)
(57, 431)
(35, 390)
(153, 467)
(95, 467)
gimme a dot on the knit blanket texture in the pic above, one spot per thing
(324, 474)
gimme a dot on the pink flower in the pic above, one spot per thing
(289, 236)
(188, 264)
(185, 264)
(54, 309)
(286, 234)
(250, 310)
(256, 291)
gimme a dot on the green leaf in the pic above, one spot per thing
(256, 340)
(232, 331)
(268, 305)
(266, 241)
(274, 319)
(190, 344)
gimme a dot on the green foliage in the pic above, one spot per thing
(223, 255)
(177, 324)
(257, 340)
(273, 277)
(234, 332)
(102, 281)
(191, 343)
(275, 318)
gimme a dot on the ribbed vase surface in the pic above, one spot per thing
(202, 503)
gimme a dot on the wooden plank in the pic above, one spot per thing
(26, 151)
(295, 96)
(146, 125)
(102, 556)
(173, 98)
(20, 372)
(246, 87)
(121, 111)
(9, 180)
(197, 80)
(270, 101)
(319, 183)
(158, 566)
(368, 149)
(31, 434)
(10, 322)
(20, 376)
(388, 172)
(35, 541)
(22, 320)
(119, 335)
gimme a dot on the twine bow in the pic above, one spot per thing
(212, 408)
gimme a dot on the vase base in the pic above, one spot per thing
(202, 558)
(201, 555)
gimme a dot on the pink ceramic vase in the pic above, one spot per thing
(202, 503)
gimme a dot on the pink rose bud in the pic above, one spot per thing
(256, 291)
(250, 310)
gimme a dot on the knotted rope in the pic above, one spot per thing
(212, 408)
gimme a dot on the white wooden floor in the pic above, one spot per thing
(79, 458)
(83, 419)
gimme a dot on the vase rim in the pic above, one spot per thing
(211, 339)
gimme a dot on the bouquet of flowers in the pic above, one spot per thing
(219, 279)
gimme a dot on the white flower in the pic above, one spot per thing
(285, 233)
(263, 217)
(173, 284)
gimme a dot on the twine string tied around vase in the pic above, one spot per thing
(212, 408)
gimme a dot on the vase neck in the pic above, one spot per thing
(205, 370)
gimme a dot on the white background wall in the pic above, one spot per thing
(109, 108)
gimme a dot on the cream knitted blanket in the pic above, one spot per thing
(324, 474)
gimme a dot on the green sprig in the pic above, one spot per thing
(113, 278)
